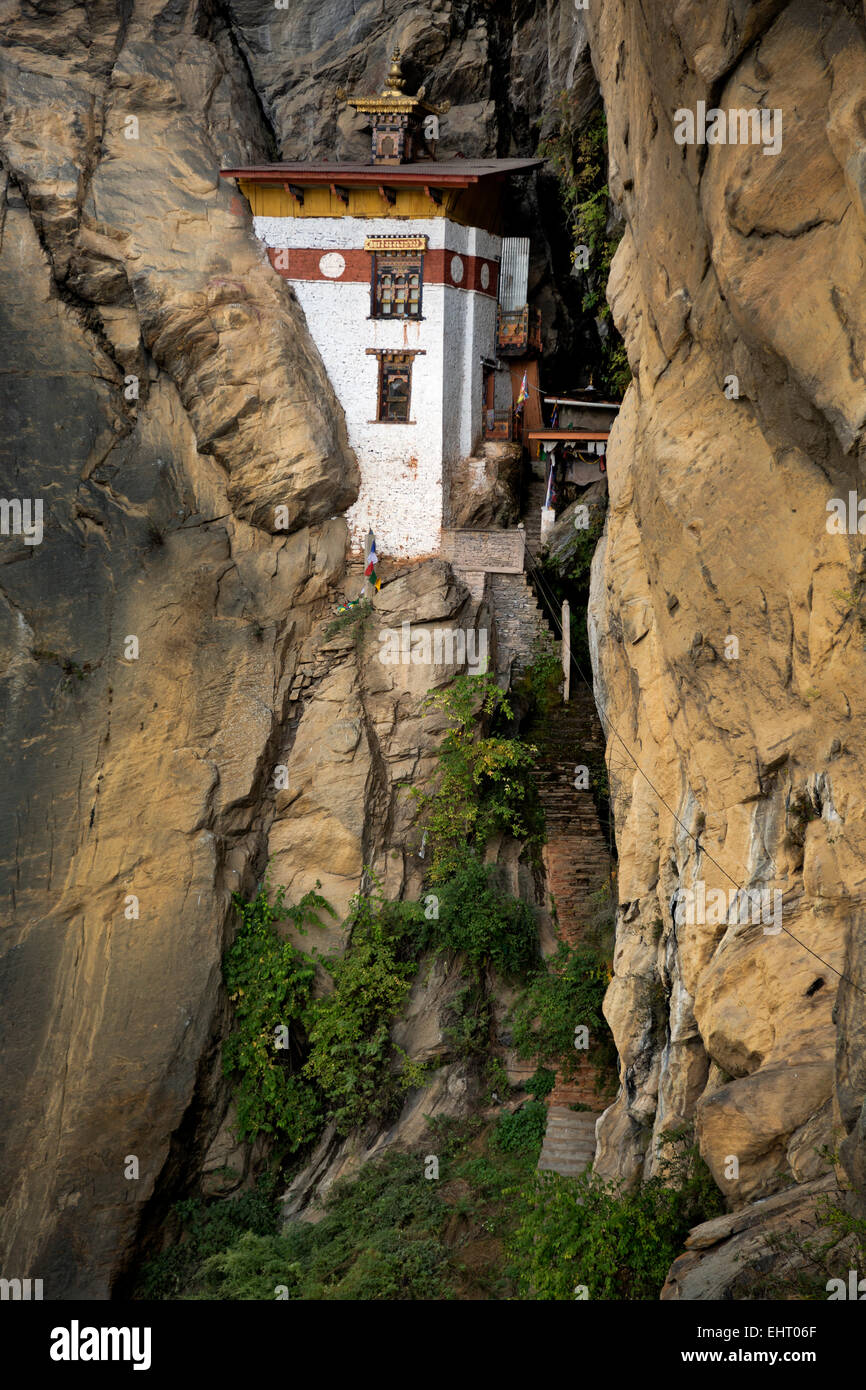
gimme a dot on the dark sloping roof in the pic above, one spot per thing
(458, 172)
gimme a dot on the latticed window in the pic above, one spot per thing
(396, 285)
(395, 385)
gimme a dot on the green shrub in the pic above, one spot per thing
(567, 991)
(619, 1244)
(208, 1229)
(379, 1238)
(270, 983)
(543, 677)
(540, 1083)
(351, 1055)
(340, 1064)
(253, 1268)
(479, 919)
(522, 1131)
(355, 621)
(484, 783)
(467, 1022)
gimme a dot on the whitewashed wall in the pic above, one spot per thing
(403, 467)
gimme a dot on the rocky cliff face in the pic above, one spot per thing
(737, 762)
(162, 649)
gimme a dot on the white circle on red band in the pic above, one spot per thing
(332, 265)
(456, 269)
(485, 276)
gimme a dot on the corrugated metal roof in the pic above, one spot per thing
(514, 273)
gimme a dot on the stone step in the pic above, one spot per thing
(569, 1141)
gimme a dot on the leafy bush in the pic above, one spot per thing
(355, 621)
(270, 983)
(380, 1236)
(468, 1021)
(351, 1053)
(567, 991)
(484, 779)
(254, 1267)
(522, 1131)
(619, 1244)
(379, 1239)
(543, 676)
(209, 1228)
(340, 1062)
(540, 1083)
(478, 918)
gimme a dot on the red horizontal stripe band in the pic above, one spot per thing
(305, 263)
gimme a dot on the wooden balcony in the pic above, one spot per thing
(518, 332)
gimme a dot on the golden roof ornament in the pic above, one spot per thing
(393, 96)
(398, 121)
(395, 81)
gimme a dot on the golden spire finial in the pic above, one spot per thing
(395, 81)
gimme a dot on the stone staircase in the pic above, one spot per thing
(535, 495)
(519, 619)
(569, 1141)
(577, 855)
(577, 863)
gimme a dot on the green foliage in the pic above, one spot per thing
(540, 1083)
(255, 1267)
(497, 1081)
(619, 1244)
(379, 1239)
(522, 1131)
(351, 1054)
(340, 1064)
(581, 552)
(578, 155)
(565, 992)
(270, 983)
(615, 372)
(209, 1228)
(480, 920)
(467, 1025)
(543, 677)
(484, 784)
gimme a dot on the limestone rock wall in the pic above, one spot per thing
(750, 765)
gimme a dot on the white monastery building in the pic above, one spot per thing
(396, 265)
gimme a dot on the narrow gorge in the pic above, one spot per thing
(327, 972)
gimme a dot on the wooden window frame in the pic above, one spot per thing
(375, 309)
(405, 358)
